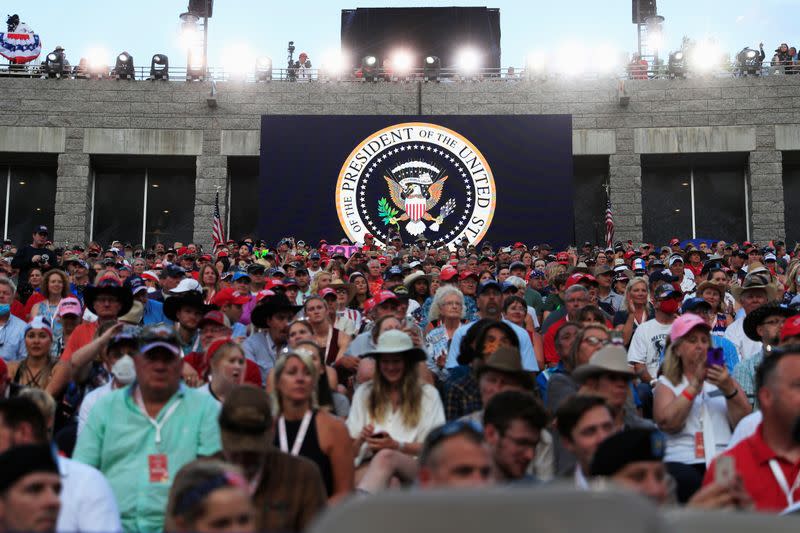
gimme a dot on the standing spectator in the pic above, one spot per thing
(87, 501)
(153, 427)
(696, 405)
(29, 490)
(34, 254)
(287, 491)
(303, 429)
(12, 328)
(755, 291)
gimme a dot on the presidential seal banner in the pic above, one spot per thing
(447, 179)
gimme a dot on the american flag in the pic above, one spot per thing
(217, 233)
(609, 224)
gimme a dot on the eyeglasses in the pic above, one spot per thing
(595, 341)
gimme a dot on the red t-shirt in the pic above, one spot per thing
(550, 353)
(198, 361)
(751, 460)
(82, 336)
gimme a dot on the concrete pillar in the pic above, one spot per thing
(212, 172)
(625, 177)
(73, 205)
(766, 195)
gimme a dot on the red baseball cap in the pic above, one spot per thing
(228, 296)
(448, 273)
(260, 295)
(629, 254)
(327, 291)
(368, 236)
(791, 327)
(215, 317)
(519, 245)
(383, 259)
(382, 297)
(216, 345)
(467, 274)
(562, 258)
(673, 242)
(273, 283)
(578, 277)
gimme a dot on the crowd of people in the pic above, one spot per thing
(251, 387)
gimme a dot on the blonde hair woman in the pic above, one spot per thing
(635, 309)
(303, 429)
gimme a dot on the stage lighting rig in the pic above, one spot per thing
(159, 67)
(748, 62)
(123, 70)
(263, 68)
(196, 68)
(468, 63)
(676, 68)
(432, 68)
(369, 68)
(54, 63)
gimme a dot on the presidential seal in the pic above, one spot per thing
(416, 179)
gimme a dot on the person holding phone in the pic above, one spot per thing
(697, 403)
(394, 411)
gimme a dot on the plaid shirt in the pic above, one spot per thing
(463, 396)
(745, 374)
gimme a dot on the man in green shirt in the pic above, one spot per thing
(141, 435)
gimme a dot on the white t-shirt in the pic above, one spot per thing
(648, 344)
(709, 415)
(432, 415)
(745, 347)
(746, 428)
(87, 501)
(89, 401)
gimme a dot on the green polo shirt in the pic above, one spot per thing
(120, 441)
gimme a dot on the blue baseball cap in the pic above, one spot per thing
(174, 271)
(135, 284)
(693, 304)
(393, 271)
(489, 284)
(239, 275)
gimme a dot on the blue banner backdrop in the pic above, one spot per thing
(483, 177)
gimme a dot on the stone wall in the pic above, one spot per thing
(80, 118)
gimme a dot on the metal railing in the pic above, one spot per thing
(551, 72)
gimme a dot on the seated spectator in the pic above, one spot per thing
(88, 503)
(209, 496)
(564, 341)
(13, 349)
(447, 311)
(635, 309)
(29, 489)
(770, 457)
(563, 385)
(287, 491)
(394, 411)
(513, 422)
(328, 397)
(583, 422)
(302, 429)
(226, 368)
(38, 369)
(455, 456)
(696, 404)
(271, 316)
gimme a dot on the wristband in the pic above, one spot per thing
(733, 394)
(688, 395)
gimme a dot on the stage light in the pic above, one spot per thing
(335, 65)
(96, 62)
(54, 64)
(263, 68)
(468, 62)
(369, 67)
(535, 65)
(159, 67)
(432, 69)
(124, 67)
(748, 62)
(705, 57)
(196, 67)
(676, 68)
(402, 63)
(239, 60)
(606, 60)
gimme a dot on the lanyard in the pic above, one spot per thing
(781, 479)
(156, 424)
(298, 440)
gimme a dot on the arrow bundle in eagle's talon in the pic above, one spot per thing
(447, 209)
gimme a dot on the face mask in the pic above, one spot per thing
(5, 309)
(124, 370)
(670, 306)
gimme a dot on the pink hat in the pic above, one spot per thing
(684, 324)
(69, 306)
(327, 291)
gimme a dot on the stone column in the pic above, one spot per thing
(625, 177)
(73, 205)
(212, 172)
(766, 193)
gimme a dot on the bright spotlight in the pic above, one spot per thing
(335, 64)
(263, 68)
(468, 62)
(432, 69)
(96, 62)
(570, 64)
(605, 60)
(196, 67)
(239, 60)
(123, 69)
(369, 67)
(676, 67)
(705, 57)
(159, 67)
(535, 65)
(402, 63)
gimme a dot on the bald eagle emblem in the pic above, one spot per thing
(416, 188)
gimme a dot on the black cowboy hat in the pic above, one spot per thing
(193, 299)
(757, 316)
(270, 305)
(109, 284)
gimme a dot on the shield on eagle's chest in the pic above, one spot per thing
(415, 207)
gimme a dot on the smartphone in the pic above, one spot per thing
(379, 435)
(714, 356)
(725, 470)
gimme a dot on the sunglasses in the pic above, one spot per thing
(595, 341)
